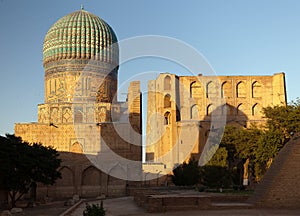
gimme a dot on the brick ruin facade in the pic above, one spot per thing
(183, 111)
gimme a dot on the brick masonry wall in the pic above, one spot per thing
(280, 185)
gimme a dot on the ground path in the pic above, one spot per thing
(125, 206)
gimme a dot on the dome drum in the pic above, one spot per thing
(80, 65)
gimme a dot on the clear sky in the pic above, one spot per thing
(237, 37)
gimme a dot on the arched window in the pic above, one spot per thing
(209, 109)
(167, 118)
(167, 101)
(211, 90)
(195, 90)
(240, 110)
(195, 112)
(241, 89)
(256, 90)
(167, 83)
(226, 90)
(256, 109)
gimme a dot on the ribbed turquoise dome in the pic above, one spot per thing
(80, 35)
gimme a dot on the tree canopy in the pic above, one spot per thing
(24, 164)
(249, 152)
(186, 174)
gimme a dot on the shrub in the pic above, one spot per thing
(94, 210)
(186, 174)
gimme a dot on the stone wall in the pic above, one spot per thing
(92, 152)
(181, 110)
(280, 185)
(181, 198)
(80, 176)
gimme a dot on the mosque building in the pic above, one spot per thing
(81, 114)
(82, 118)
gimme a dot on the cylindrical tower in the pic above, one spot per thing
(80, 58)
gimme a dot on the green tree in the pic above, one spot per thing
(219, 158)
(186, 174)
(23, 165)
(282, 123)
(215, 174)
(285, 119)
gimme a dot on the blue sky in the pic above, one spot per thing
(237, 37)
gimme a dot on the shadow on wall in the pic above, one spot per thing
(213, 124)
(80, 176)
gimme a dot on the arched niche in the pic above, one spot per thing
(195, 112)
(67, 177)
(167, 83)
(167, 118)
(226, 90)
(195, 90)
(241, 90)
(167, 101)
(91, 176)
(256, 90)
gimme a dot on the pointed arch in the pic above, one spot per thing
(226, 90)
(76, 148)
(167, 83)
(67, 177)
(240, 109)
(211, 90)
(167, 101)
(117, 170)
(195, 112)
(167, 118)
(195, 90)
(91, 176)
(256, 109)
(209, 109)
(241, 90)
(256, 89)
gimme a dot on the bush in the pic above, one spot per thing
(215, 177)
(186, 174)
(94, 210)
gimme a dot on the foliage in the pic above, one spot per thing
(215, 176)
(186, 174)
(285, 119)
(215, 173)
(24, 165)
(219, 158)
(94, 210)
(253, 148)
